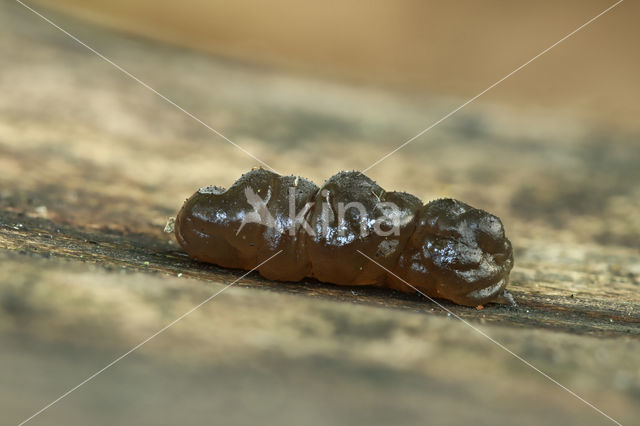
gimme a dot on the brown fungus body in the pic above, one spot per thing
(445, 248)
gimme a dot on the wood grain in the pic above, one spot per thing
(92, 165)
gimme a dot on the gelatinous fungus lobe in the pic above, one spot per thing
(446, 248)
(456, 252)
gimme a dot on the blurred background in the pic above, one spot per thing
(92, 164)
(420, 47)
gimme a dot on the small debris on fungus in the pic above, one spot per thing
(169, 228)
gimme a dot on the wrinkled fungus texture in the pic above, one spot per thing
(445, 248)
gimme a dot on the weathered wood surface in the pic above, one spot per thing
(92, 165)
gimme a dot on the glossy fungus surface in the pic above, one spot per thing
(445, 248)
